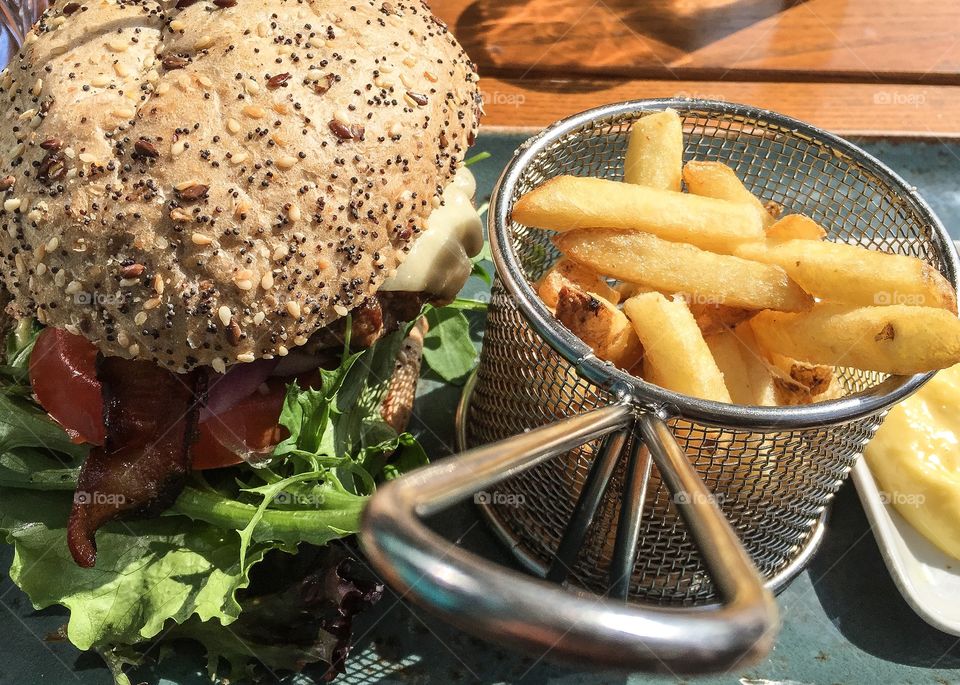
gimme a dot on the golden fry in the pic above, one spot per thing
(674, 348)
(796, 227)
(814, 377)
(897, 339)
(705, 277)
(713, 318)
(628, 290)
(566, 203)
(745, 372)
(567, 272)
(600, 325)
(802, 382)
(717, 180)
(855, 275)
(655, 151)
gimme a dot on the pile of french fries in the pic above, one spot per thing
(711, 293)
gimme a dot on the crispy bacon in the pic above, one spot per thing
(151, 419)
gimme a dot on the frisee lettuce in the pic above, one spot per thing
(189, 567)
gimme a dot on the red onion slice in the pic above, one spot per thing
(240, 381)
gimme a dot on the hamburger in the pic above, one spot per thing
(221, 222)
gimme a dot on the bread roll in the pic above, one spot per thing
(210, 184)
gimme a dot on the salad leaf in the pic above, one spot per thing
(148, 572)
(22, 424)
(480, 271)
(189, 570)
(447, 347)
(469, 305)
(412, 456)
(308, 413)
(482, 263)
(36, 469)
(19, 344)
(298, 610)
(326, 513)
(342, 417)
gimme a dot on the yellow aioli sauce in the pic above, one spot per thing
(915, 459)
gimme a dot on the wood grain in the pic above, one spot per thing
(847, 109)
(856, 67)
(894, 41)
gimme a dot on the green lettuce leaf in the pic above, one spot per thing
(447, 347)
(22, 424)
(147, 572)
(309, 413)
(328, 512)
(482, 263)
(189, 568)
(19, 344)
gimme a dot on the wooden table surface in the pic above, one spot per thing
(855, 67)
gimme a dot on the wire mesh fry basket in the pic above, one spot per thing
(659, 523)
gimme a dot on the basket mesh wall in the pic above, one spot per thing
(772, 485)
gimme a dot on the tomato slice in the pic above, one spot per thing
(247, 431)
(63, 375)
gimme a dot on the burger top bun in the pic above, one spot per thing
(209, 183)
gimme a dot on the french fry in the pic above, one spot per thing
(628, 290)
(648, 372)
(834, 391)
(717, 180)
(713, 318)
(745, 372)
(567, 272)
(600, 325)
(566, 203)
(796, 227)
(674, 348)
(679, 268)
(814, 378)
(774, 209)
(855, 275)
(897, 339)
(655, 151)
(802, 383)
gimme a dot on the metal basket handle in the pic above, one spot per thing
(539, 617)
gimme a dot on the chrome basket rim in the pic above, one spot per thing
(871, 401)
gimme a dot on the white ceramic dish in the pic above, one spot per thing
(927, 578)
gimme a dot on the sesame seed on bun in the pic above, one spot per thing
(209, 183)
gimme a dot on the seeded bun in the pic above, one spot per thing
(211, 184)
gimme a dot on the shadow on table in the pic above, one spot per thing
(626, 38)
(418, 649)
(866, 606)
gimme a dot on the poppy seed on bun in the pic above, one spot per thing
(211, 184)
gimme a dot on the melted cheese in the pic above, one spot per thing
(915, 459)
(439, 261)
